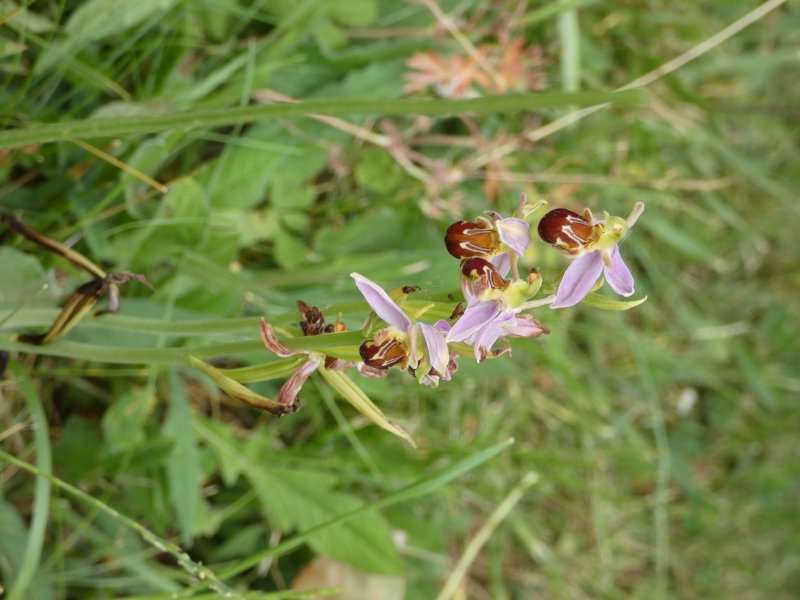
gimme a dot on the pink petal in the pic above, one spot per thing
(514, 233)
(381, 303)
(475, 317)
(291, 388)
(271, 340)
(578, 280)
(438, 354)
(618, 275)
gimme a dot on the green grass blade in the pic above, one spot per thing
(219, 117)
(569, 35)
(41, 504)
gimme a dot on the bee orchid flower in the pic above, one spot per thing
(398, 343)
(498, 239)
(593, 244)
(494, 308)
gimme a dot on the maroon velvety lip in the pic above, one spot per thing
(465, 239)
(566, 230)
(382, 353)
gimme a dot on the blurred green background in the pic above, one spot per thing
(664, 438)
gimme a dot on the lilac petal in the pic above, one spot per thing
(381, 303)
(442, 326)
(291, 388)
(487, 335)
(578, 279)
(618, 275)
(501, 262)
(466, 290)
(271, 340)
(524, 326)
(514, 233)
(475, 317)
(438, 354)
(372, 372)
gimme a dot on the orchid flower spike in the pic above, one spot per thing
(398, 344)
(492, 238)
(593, 244)
(494, 308)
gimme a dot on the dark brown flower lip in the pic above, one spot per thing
(382, 352)
(567, 231)
(482, 275)
(466, 239)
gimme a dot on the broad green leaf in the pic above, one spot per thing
(25, 20)
(377, 171)
(186, 203)
(148, 157)
(76, 451)
(95, 20)
(223, 444)
(13, 536)
(21, 275)
(124, 421)
(352, 13)
(301, 499)
(375, 230)
(290, 252)
(422, 486)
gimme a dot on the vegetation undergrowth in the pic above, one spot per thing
(207, 164)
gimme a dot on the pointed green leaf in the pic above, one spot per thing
(361, 402)
(606, 303)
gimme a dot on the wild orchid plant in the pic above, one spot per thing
(498, 304)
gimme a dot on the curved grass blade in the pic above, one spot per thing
(41, 505)
(227, 116)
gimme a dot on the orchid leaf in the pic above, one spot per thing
(361, 402)
(604, 302)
